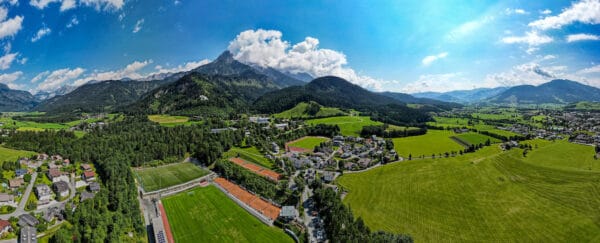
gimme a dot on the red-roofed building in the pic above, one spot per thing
(5, 226)
(89, 176)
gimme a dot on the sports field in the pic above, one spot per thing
(475, 138)
(250, 154)
(207, 215)
(308, 143)
(434, 142)
(480, 197)
(565, 155)
(156, 178)
(7, 154)
(349, 125)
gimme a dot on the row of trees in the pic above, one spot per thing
(340, 224)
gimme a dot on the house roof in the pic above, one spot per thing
(16, 182)
(54, 172)
(4, 224)
(95, 186)
(61, 186)
(288, 211)
(28, 219)
(89, 174)
(6, 197)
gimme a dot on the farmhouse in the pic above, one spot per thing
(43, 193)
(28, 234)
(89, 176)
(61, 188)
(16, 183)
(5, 226)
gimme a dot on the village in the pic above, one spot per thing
(37, 192)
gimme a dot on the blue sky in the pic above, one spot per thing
(407, 46)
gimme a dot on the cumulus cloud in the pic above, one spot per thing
(10, 78)
(107, 5)
(532, 38)
(510, 11)
(439, 83)
(590, 70)
(546, 11)
(266, 48)
(582, 37)
(180, 68)
(138, 26)
(11, 2)
(41, 4)
(41, 33)
(430, 59)
(7, 60)
(10, 27)
(527, 73)
(585, 11)
(58, 78)
(67, 4)
(130, 71)
(40, 76)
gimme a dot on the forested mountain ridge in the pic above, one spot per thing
(15, 100)
(557, 91)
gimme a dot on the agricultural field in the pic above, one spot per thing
(171, 121)
(434, 142)
(7, 154)
(299, 111)
(475, 138)
(155, 178)
(250, 154)
(308, 142)
(486, 196)
(349, 125)
(208, 215)
(564, 155)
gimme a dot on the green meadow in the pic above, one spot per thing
(308, 142)
(434, 142)
(250, 154)
(486, 196)
(207, 215)
(349, 125)
(299, 111)
(7, 154)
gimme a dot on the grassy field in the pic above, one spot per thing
(435, 141)
(565, 155)
(250, 154)
(481, 197)
(299, 111)
(308, 142)
(476, 138)
(171, 121)
(349, 125)
(7, 154)
(208, 215)
(156, 178)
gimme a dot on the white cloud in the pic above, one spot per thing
(107, 5)
(11, 2)
(266, 48)
(430, 59)
(468, 28)
(527, 73)
(177, 2)
(546, 11)
(7, 60)
(41, 33)
(10, 27)
(138, 26)
(10, 78)
(532, 38)
(40, 76)
(590, 70)
(3, 13)
(181, 68)
(67, 4)
(582, 37)
(510, 11)
(130, 71)
(58, 78)
(41, 4)
(532, 50)
(23, 60)
(74, 21)
(549, 57)
(439, 83)
(585, 11)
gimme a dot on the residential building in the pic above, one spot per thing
(43, 193)
(55, 175)
(288, 213)
(61, 188)
(28, 220)
(85, 195)
(16, 183)
(94, 186)
(89, 176)
(20, 173)
(6, 199)
(5, 226)
(86, 167)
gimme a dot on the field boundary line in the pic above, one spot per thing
(178, 188)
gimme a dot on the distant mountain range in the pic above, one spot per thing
(463, 96)
(554, 92)
(15, 100)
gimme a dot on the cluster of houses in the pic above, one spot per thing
(360, 153)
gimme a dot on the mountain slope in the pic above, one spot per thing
(15, 100)
(332, 91)
(433, 103)
(226, 65)
(462, 96)
(557, 91)
(99, 96)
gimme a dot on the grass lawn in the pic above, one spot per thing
(476, 138)
(208, 215)
(299, 111)
(349, 125)
(170, 121)
(156, 178)
(250, 154)
(485, 196)
(435, 141)
(308, 142)
(7, 154)
(562, 154)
